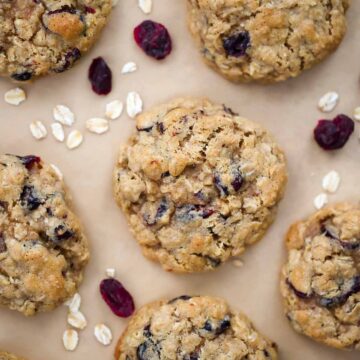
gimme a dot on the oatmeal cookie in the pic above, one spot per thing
(198, 183)
(320, 282)
(7, 356)
(192, 328)
(43, 250)
(266, 41)
(46, 36)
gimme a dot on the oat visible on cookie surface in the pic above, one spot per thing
(192, 328)
(47, 36)
(7, 356)
(198, 184)
(266, 41)
(320, 282)
(43, 250)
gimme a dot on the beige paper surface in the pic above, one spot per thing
(288, 110)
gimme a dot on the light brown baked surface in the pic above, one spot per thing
(7, 356)
(43, 250)
(286, 36)
(198, 184)
(199, 327)
(41, 37)
(320, 283)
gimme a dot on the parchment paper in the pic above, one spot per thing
(288, 110)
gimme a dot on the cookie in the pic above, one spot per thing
(198, 183)
(320, 282)
(46, 36)
(266, 41)
(192, 328)
(43, 250)
(7, 356)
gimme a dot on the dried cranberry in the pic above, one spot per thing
(90, 10)
(117, 297)
(100, 76)
(24, 76)
(236, 45)
(29, 161)
(154, 39)
(333, 134)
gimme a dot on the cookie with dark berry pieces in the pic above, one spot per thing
(43, 250)
(266, 41)
(46, 36)
(320, 282)
(192, 328)
(198, 184)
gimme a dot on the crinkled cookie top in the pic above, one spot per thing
(43, 250)
(47, 36)
(192, 328)
(269, 40)
(321, 280)
(198, 183)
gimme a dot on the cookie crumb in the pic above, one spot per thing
(15, 96)
(328, 102)
(320, 201)
(238, 263)
(357, 113)
(331, 181)
(103, 334)
(74, 139)
(38, 130)
(97, 125)
(114, 109)
(70, 339)
(134, 104)
(129, 67)
(63, 115)
(58, 174)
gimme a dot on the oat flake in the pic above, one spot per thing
(74, 139)
(328, 102)
(38, 130)
(77, 320)
(145, 6)
(134, 104)
(97, 125)
(129, 67)
(58, 174)
(320, 201)
(110, 272)
(74, 303)
(357, 113)
(103, 334)
(58, 131)
(114, 109)
(15, 96)
(70, 339)
(63, 115)
(331, 181)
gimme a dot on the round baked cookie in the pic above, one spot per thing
(43, 250)
(198, 183)
(266, 41)
(46, 36)
(320, 282)
(192, 328)
(7, 356)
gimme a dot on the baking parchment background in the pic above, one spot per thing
(288, 110)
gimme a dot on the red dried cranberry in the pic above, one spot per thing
(29, 161)
(333, 134)
(90, 10)
(154, 39)
(236, 45)
(117, 297)
(100, 76)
